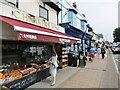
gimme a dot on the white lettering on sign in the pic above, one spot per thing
(28, 36)
(64, 40)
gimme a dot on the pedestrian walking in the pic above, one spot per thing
(53, 67)
(92, 52)
(103, 51)
(98, 52)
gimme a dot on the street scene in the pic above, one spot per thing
(97, 74)
(59, 44)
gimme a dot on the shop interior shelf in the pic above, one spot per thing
(64, 48)
(64, 52)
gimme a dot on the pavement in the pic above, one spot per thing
(101, 73)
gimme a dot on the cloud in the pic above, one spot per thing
(101, 15)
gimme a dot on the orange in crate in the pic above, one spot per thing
(16, 74)
(1, 75)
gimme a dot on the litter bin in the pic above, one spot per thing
(74, 61)
(70, 59)
(81, 63)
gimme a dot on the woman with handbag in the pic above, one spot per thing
(53, 67)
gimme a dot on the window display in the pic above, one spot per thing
(23, 59)
(24, 53)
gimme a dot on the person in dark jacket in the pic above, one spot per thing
(103, 51)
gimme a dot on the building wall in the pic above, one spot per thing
(32, 7)
(26, 7)
(119, 14)
(52, 15)
(64, 15)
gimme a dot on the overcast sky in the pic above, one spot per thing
(102, 15)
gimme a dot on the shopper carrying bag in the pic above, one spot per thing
(53, 67)
(98, 52)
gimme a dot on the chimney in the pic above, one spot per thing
(74, 5)
(83, 15)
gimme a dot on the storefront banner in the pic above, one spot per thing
(39, 37)
(31, 32)
(36, 37)
(64, 40)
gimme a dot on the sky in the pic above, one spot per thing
(102, 15)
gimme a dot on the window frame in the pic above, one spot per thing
(44, 9)
(11, 4)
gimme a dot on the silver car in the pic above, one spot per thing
(116, 49)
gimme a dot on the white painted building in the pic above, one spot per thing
(33, 8)
(30, 21)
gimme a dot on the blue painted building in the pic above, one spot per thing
(75, 23)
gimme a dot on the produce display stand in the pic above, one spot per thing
(26, 81)
(42, 74)
(64, 60)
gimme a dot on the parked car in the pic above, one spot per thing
(116, 49)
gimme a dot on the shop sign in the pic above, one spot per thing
(64, 40)
(40, 37)
(27, 36)
(26, 17)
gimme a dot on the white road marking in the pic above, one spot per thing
(115, 64)
(116, 60)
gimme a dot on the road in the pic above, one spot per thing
(117, 62)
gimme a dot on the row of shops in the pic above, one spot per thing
(27, 47)
(26, 54)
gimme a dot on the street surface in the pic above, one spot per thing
(101, 73)
(116, 58)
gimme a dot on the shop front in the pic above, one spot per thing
(87, 43)
(70, 30)
(26, 49)
(83, 46)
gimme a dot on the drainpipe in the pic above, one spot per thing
(61, 12)
(84, 34)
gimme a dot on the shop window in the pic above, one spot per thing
(35, 53)
(72, 48)
(43, 12)
(24, 53)
(76, 48)
(72, 18)
(13, 3)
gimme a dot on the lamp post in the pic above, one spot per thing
(83, 27)
(83, 41)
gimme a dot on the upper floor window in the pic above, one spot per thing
(82, 25)
(13, 3)
(72, 17)
(43, 13)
